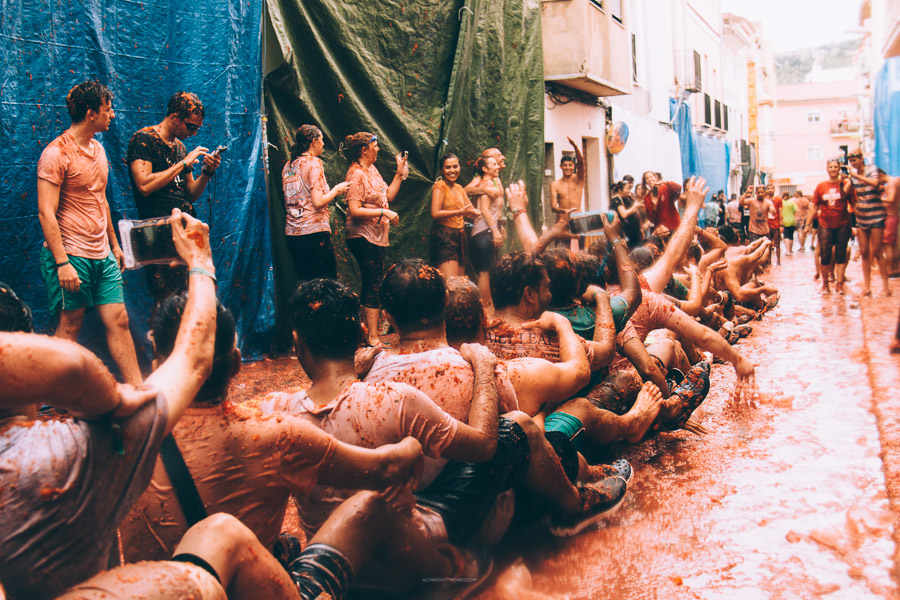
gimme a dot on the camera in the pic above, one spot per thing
(219, 150)
(147, 242)
(585, 223)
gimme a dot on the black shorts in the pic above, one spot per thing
(482, 251)
(370, 259)
(321, 569)
(789, 232)
(448, 244)
(313, 256)
(833, 239)
(464, 493)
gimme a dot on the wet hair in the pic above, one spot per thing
(184, 104)
(165, 329)
(14, 314)
(694, 252)
(628, 178)
(465, 311)
(586, 266)
(726, 234)
(414, 294)
(481, 164)
(566, 158)
(303, 138)
(642, 258)
(560, 266)
(617, 187)
(512, 274)
(89, 95)
(356, 143)
(325, 315)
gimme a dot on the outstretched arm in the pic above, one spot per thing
(661, 272)
(180, 377)
(580, 173)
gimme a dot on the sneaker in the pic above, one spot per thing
(743, 331)
(597, 500)
(692, 392)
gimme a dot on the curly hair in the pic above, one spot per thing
(88, 95)
(184, 104)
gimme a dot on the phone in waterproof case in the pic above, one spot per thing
(147, 242)
(585, 223)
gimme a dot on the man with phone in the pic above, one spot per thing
(81, 259)
(162, 178)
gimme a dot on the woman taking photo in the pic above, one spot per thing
(306, 199)
(369, 218)
(450, 207)
(831, 205)
(487, 232)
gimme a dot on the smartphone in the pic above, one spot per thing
(219, 150)
(147, 242)
(585, 223)
(405, 154)
(845, 170)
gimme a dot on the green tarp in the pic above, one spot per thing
(426, 76)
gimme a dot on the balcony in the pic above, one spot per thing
(844, 127)
(584, 47)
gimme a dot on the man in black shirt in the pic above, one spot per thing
(627, 209)
(162, 178)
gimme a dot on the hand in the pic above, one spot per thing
(560, 229)
(68, 278)
(696, 192)
(365, 358)
(120, 257)
(131, 399)
(612, 229)
(470, 212)
(402, 166)
(661, 231)
(194, 155)
(392, 217)
(191, 237)
(498, 237)
(548, 320)
(571, 141)
(493, 192)
(340, 189)
(590, 294)
(516, 196)
(211, 162)
(744, 369)
(478, 356)
(399, 496)
(718, 265)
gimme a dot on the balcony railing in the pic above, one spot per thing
(841, 126)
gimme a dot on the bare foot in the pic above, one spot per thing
(839, 288)
(645, 410)
(826, 289)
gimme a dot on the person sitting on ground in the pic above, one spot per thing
(240, 461)
(67, 484)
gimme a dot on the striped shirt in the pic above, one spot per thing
(870, 212)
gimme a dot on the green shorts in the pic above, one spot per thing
(101, 282)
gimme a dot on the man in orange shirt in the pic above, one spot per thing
(81, 262)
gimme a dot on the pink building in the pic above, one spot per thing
(814, 122)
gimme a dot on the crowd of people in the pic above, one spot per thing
(407, 463)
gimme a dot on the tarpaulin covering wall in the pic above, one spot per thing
(887, 117)
(700, 156)
(144, 52)
(428, 77)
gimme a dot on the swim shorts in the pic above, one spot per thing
(101, 282)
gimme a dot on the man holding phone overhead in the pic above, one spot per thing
(162, 178)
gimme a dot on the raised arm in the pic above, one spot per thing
(180, 377)
(580, 173)
(661, 272)
(401, 174)
(518, 204)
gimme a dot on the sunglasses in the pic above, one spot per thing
(191, 126)
(374, 139)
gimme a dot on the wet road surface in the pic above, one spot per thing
(782, 499)
(794, 496)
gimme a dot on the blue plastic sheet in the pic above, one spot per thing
(701, 156)
(887, 117)
(144, 52)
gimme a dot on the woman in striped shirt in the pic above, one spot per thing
(870, 216)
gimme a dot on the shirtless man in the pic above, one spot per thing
(760, 206)
(566, 193)
(773, 219)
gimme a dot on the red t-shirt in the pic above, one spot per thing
(661, 210)
(833, 204)
(774, 219)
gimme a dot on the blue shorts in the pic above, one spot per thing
(101, 282)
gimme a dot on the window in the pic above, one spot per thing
(725, 117)
(707, 109)
(597, 3)
(843, 114)
(615, 9)
(813, 116)
(634, 72)
(718, 113)
(814, 153)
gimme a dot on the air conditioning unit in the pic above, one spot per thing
(691, 74)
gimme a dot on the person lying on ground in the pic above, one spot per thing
(242, 462)
(86, 471)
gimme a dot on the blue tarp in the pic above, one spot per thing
(887, 117)
(144, 52)
(701, 156)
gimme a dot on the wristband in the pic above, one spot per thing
(202, 271)
(381, 215)
(62, 264)
(209, 174)
(517, 212)
(184, 166)
(494, 227)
